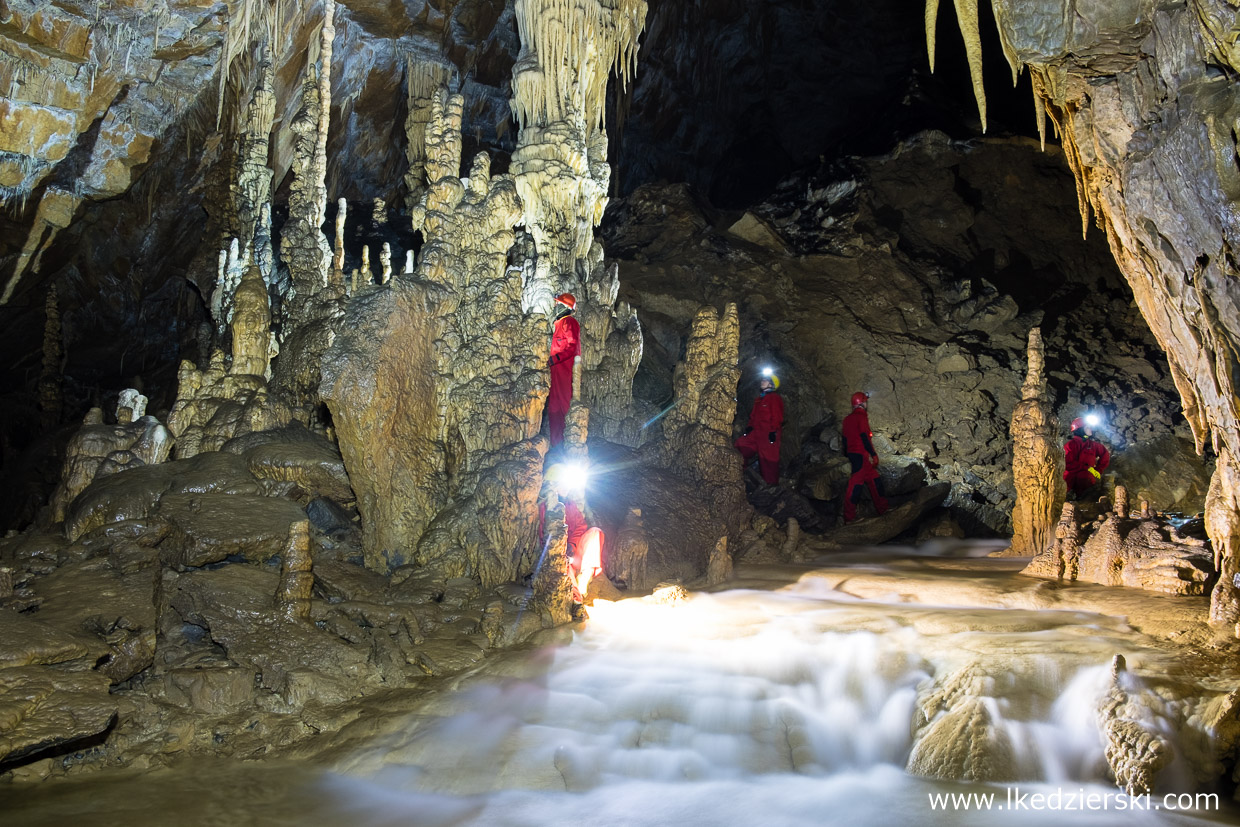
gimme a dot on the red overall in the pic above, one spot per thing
(1080, 455)
(764, 434)
(565, 347)
(859, 445)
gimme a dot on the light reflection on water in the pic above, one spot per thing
(743, 707)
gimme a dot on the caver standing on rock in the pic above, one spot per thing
(859, 446)
(565, 348)
(763, 434)
(1085, 458)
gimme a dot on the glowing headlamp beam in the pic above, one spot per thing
(768, 371)
(575, 476)
(1092, 420)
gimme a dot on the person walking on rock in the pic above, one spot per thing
(763, 435)
(565, 348)
(1085, 458)
(859, 446)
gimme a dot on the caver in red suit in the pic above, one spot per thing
(765, 431)
(1085, 458)
(585, 547)
(859, 446)
(565, 348)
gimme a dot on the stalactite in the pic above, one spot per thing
(422, 80)
(342, 209)
(966, 19)
(304, 247)
(51, 397)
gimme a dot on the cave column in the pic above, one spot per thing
(568, 50)
(1037, 460)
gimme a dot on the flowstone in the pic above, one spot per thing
(436, 383)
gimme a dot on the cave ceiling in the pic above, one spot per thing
(116, 126)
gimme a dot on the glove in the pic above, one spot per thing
(771, 437)
(874, 460)
(747, 431)
(1097, 476)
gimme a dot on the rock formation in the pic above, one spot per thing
(1151, 144)
(1037, 460)
(1116, 550)
(569, 49)
(99, 449)
(436, 383)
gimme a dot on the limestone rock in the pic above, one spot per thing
(98, 448)
(208, 528)
(214, 406)
(874, 530)
(755, 230)
(41, 709)
(436, 384)
(1037, 459)
(1138, 553)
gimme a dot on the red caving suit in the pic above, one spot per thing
(1081, 454)
(766, 418)
(859, 445)
(565, 347)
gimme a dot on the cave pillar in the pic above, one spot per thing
(568, 50)
(1037, 460)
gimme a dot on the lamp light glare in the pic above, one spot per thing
(768, 371)
(1092, 420)
(574, 477)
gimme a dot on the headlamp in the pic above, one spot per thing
(1093, 420)
(574, 476)
(768, 371)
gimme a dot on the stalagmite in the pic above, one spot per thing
(1121, 501)
(342, 209)
(367, 275)
(385, 262)
(253, 179)
(719, 565)
(303, 245)
(1060, 560)
(51, 396)
(251, 326)
(436, 386)
(292, 598)
(1037, 459)
(422, 81)
(130, 406)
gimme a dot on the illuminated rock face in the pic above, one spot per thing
(436, 383)
(1147, 124)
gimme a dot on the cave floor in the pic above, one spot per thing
(789, 692)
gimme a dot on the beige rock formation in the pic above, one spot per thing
(214, 405)
(1037, 460)
(1138, 553)
(1140, 183)
(251, 326)
(101, 449)
(1135, 752)
(437, 385)
(296, 579)
(422, 80)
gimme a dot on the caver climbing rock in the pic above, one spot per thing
(565, 348)
(859, 446)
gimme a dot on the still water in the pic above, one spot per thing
(789, 704)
